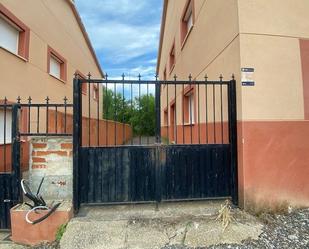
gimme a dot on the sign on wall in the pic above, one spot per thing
(247, 78)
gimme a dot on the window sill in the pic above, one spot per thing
(6, 143)
(189, 124)
(16, 55)
(186, 37)
(62, 81)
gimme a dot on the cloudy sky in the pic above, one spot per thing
(124, 33)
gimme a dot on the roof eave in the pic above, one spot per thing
(85, 34)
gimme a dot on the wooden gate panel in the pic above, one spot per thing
(195, 171)
(120, 174)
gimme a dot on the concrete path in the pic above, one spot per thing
(189, 224)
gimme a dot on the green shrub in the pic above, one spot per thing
(60, 231)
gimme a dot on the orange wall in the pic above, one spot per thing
(123, 132)
(7, 150)
(201, 134)
(276, 159)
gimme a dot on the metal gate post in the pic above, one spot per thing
(233, 139)
(15, 155)
(77, 135)
(158, 141)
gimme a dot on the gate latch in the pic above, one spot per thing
(7, 200)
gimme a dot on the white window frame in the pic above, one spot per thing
(7, 26)
(52, 62)
(191, 108)
(8, 128)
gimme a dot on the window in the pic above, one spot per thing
(189, 107)
(172, 58)
(8, 122)
(95, 92)
(14, 34)
(187, 21)
(9, 36)
(84, 85)
(173, 121)
(56, 64)
(55, 67)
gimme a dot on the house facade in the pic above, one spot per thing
(43, 44)
(265, 44)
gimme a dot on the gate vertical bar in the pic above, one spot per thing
(158, 140)
(158, 111)
(15, 155)
(77, 135)
(233, 139)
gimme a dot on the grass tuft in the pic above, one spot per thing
(60, 232)
(225, 214)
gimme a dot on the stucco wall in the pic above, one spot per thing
(51, 23)
(272, 131)
(201, 54)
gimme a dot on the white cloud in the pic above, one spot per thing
(122, 42)
(116, 7)
(124, 33)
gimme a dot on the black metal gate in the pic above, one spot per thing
(10, 163)
(140, 141)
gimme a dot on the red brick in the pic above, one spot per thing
(39, 166)
(39, 145)
(51, 152)
(67, 146)
(38, 160)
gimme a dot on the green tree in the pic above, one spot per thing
(139, 113)
(143, 116)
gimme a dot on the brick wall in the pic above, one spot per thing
(52, 157)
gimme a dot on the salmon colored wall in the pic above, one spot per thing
(117, 133)
(7, 150)
(201, 134)
(123, 132)
(277, 164)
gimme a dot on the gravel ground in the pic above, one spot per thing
(289, 231)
